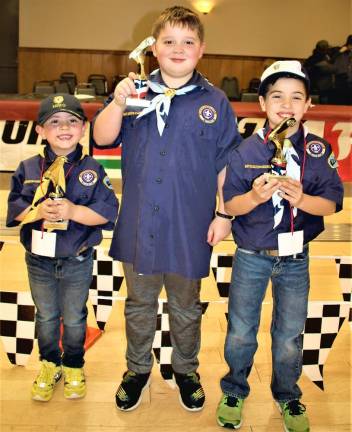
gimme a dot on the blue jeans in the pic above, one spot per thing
(60, 288)
(290, 287)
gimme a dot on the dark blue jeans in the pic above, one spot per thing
(60, 288)
(290, 287)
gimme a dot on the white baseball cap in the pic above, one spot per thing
(283, 68)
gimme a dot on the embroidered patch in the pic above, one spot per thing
(332, 161)
(315, 149)
(88, 177)
(207, 114)
(107, 182)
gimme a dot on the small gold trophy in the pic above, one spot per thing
(61, 224)
(277, 136)
(138, 55)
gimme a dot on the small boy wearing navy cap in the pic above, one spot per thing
(63, 199)
(275, 219)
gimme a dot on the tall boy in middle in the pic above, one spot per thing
(173, 163)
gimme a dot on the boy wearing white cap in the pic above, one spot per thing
(279, 197)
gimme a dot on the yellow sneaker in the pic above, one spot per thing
(43, 386)
(75, 383)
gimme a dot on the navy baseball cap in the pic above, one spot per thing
(60, 103)
(283, 68)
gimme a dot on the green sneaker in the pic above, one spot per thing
(294, 416)
(75, 383)
(43, 386)
(229, 412)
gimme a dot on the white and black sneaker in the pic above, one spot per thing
(130, 391)
(192, 395)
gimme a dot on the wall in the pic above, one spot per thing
(270, 28)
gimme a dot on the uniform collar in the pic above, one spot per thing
(78, 153)
(197, 79)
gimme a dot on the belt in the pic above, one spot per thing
(269, 252)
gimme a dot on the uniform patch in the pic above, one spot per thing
(315, 149)
(88, 177)
(332, 161)
(207, 114)
(107, 182)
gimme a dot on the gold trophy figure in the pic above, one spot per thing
(138, 55)
(61, 224)
(277, 136)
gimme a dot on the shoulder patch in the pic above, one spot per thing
(332, 161)
(88, 177)
(207, 114)
(316, 149)
(107, 182)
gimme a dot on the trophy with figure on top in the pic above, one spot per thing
(138, 55)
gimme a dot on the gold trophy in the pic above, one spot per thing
(277, 136)
(61, 224)
(138, 55)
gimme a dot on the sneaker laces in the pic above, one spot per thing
(232, 401)
(46, 374)
(295, 407)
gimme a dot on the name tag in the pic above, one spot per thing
(290, 243)
(43, 243)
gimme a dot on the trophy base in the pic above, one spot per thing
(57, 225)
(278, 177)
(141, 103)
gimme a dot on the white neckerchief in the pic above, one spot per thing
(161, 103)
(293, 170)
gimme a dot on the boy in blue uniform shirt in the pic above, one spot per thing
(275, 219)
(63, 199)
(173, 162)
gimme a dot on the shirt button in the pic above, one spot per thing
(156, 208)
(158, 180)
(163, 153)
(151, 236)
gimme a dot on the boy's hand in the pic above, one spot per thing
(48, 210)
(219, 229)
(263, 188)
(292, 191)
(124, 89)
(64, 209)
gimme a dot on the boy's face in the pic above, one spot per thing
(178, 50)
(285, 98)
(63, 132)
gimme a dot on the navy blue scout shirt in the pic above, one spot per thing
(86, 184)
(170, 181)
(254, 230)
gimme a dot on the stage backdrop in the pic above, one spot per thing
(18, 139)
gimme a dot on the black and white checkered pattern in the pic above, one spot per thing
(106, 282)
(162, 346)
(322, 326)
(17, 328)
(344, 270)
(221, 266)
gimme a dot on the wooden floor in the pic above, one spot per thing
(329, 410)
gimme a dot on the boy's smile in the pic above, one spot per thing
(178, 50)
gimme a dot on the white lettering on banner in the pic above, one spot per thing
(19, 141)
(344, 141)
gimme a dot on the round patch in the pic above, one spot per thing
(58, 99)
(207, 114)
(315, 149)
(88, 177)
(107, 182)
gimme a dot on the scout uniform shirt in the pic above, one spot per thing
(254, 230)
(170, 181)
(86, 184)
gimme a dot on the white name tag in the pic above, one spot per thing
(130, 101)
(290, 243)
(43, 243)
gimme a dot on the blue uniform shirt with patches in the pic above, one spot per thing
(254, 230)
(97, 195)
(170, 181)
